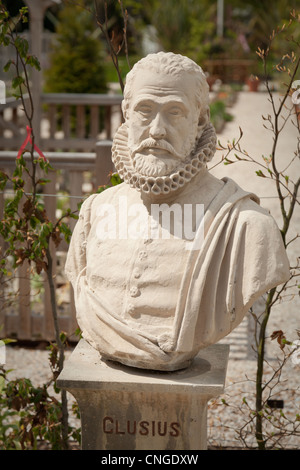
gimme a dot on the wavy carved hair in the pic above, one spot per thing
(173, 64)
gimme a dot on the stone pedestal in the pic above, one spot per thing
(124, 408)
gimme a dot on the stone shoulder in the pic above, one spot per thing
(256, 217)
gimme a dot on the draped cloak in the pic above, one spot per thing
(154, 304)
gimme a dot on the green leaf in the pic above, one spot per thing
(43, 181)
(3, 15)
(99, 190)
(4, 40)
(33, 62)
(17, 95)
(17, 81)
(237, 157)
(21, 161)
(22, 46)
(7, 66)
(17, 172)
(3, 180)
(63, 337)
(33, 222)
(9, 340)
(78, 332)
(24, 11)
(115, 179)
(2, 384)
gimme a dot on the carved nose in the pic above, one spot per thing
(157, 129)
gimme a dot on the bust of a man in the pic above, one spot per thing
(171, 260)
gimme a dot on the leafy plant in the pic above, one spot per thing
(25, 226)
(219, 115)
(30, 415)
(287, 187)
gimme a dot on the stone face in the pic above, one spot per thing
(126, 408)
(170, 261)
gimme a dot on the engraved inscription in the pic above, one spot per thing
(144, 428)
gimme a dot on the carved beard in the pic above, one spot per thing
(202, 153)
(159, 165)
(150, 165)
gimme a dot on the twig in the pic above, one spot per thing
(125, 18)
(114, 52)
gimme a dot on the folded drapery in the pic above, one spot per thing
(241, 257)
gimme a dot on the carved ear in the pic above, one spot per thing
(124, 110)
(204, 117)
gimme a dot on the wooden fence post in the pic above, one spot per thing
(76, 181)
(104, 165)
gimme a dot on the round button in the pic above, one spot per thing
(130, 309)
(134, 291)
(142, 255)
(137, 273)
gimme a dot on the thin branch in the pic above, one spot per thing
(249, 159)
(292, 240)
(125, 18)
(114, 52)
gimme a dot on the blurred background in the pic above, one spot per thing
(221, 35)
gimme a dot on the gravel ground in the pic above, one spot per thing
(225, 420)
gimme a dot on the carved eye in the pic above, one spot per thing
(144, 110)
(175, 111)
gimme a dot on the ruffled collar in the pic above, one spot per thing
(200, 156)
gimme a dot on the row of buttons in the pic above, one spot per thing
(134, 290)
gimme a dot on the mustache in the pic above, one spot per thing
(159, 144)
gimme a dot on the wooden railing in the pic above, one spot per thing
(230, 70)
(69, 122)
(26, 319)
(12, 124)
(91, 114)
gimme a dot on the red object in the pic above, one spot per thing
(28, 139)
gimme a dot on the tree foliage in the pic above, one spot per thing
(77, 55)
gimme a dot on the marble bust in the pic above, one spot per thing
(148, 295)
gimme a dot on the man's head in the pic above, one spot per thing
(166, 109)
